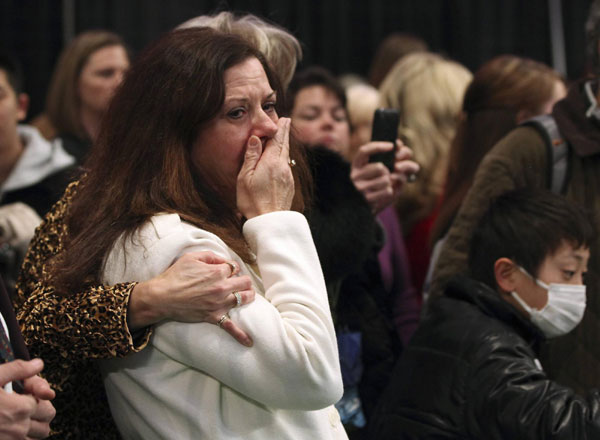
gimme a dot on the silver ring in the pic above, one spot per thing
(238, 298)
(292, 163)
(224, 318)
(411, 177)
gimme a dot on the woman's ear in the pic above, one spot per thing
(504, 272)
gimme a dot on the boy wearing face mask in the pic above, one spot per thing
(471, 369)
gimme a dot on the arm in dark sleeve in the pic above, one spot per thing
(509, 397)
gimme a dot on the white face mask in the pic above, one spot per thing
(562, 313)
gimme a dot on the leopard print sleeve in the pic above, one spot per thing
(89, 324)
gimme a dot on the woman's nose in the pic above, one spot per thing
(326, 120)
(265, 125)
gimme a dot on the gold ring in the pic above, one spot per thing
(224, 318)
(232, 266)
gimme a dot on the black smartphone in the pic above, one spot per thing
(385, 128)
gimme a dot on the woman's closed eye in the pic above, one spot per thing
(309, 114)
(339, 115)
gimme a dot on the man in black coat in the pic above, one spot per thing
(471, 369)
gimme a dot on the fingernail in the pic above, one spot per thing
(37, 363)
(254, 141)
(248, 342)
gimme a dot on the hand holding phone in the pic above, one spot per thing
(385, 128)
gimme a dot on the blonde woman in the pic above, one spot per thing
(428, 90)
(281, 49)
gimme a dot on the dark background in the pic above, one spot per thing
(339, 34)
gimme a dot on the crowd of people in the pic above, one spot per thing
(196, 243)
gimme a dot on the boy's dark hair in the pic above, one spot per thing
(526, 226)
(314, 76)
(12, 68)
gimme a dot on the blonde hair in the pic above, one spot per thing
(362, 101)
(281, 49)
(62, 102)
(428, 90)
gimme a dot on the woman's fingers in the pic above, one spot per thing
(402, 151)
(266, 184)
(241, 297)
(282, 139)
(236, 298)
(373, 171)
(238, 334)
(365, 151)
(405, 169)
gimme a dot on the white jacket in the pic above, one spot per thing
(194, 381)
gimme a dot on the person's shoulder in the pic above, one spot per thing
(518, 159)
(172, 234)
(523, 140)
(463, 328)
(168, 228)
(162, 225)
(151, 248)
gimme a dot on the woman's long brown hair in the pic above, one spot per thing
(500, 89)
(141, 163)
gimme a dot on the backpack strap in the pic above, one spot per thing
(557, 149)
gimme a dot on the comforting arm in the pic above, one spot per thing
(294, 362)
(197, 288)
(52, 321)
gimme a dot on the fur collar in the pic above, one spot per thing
(343, 227)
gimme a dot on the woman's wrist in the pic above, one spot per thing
(142, 309)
